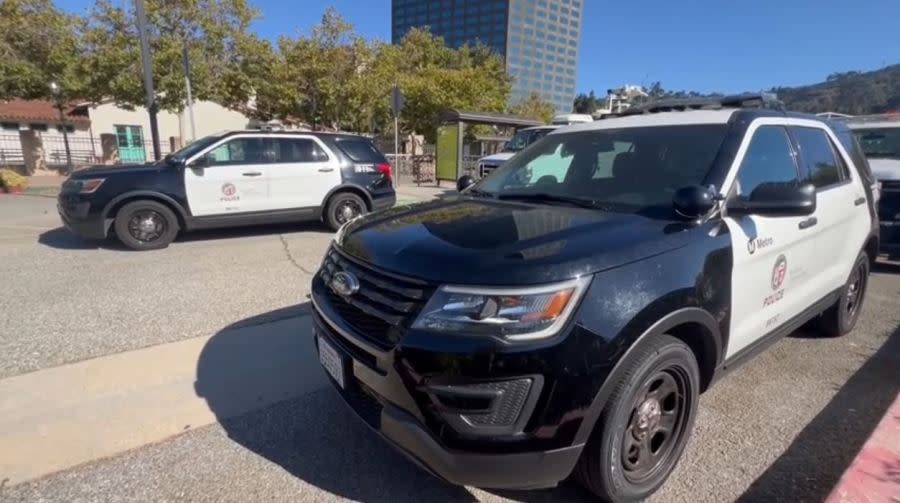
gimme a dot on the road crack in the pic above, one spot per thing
(290, 256)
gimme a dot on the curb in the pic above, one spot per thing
(874, 475)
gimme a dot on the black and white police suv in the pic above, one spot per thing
(230, 179)
(564, 313)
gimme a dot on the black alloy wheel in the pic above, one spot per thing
(657, 421)
(646, 422)
(146, 226)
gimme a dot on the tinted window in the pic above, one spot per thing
(629, 169)
(819, 156)
(768, 160)
(298, 150)
(852, 147)
(879, 142)
(238, 151)
(361, 150)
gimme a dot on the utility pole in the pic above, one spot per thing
(58, 97)
(187, 83)
(147, 64)
(397, 102)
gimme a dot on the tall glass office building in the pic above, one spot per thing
(538, 38)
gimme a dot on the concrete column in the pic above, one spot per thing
(109, 144)
(32, 151)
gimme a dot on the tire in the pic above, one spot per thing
(146, 225)
(643, 399)
(343, 207)
(840, 319)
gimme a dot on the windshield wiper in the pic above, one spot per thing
(479, 193)
(546, 197)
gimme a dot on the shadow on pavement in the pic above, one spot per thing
(268, 365)
(256, 230)
(818, 456)
(63, 239)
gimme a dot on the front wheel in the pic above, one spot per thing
(146, 225)
(646, 423)
(342, 208)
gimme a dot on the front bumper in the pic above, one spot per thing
(79, 217)
(376, 391)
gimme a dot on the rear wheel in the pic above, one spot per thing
(146, 225)
(840, 319)
(342, 208)
(646, 424)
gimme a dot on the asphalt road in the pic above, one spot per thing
(782, 428)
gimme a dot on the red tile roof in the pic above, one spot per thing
(17, 110)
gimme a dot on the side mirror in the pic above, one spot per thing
(694, 201)
(464, 183)
(175, 162)
(200, 162)
(776, 200)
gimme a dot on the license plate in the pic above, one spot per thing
(332, 361)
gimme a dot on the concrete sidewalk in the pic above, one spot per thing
(874, 476)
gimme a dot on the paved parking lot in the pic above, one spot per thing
(218, 395)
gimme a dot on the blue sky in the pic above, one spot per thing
(688, 44)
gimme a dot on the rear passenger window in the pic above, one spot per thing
(299, 150)
(768, 160)
(817, 151)
(361, 151)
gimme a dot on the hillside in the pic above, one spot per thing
(851, 93)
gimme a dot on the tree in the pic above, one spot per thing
(435, 77)
(215, 33)
(39, 44)
(534, 106)
(587, 103)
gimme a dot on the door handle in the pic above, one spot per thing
(252, 173)
(859, 201)
(325, 170)
(809, 222)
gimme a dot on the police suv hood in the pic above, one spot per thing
(885, 168)
(498, 158)
(102, 170)
(482, 241)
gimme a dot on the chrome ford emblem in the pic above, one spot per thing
(344, 284)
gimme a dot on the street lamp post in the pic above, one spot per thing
(56, 91)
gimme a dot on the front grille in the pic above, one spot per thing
(385, 304)
(487, 169)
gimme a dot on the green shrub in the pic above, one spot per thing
(9, 180)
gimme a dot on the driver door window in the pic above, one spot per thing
(239, 151)
(769, 159)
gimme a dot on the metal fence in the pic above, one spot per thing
(83, 149)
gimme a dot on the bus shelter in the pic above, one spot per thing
(451, 153)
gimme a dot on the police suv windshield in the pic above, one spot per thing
(629, 169)
(879, 142)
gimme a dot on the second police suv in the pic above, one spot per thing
(565, 320)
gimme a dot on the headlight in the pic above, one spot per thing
(514, 314)
(85, 185)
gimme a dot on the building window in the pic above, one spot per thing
(68, 128)
(9, 126)
(37, 127)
